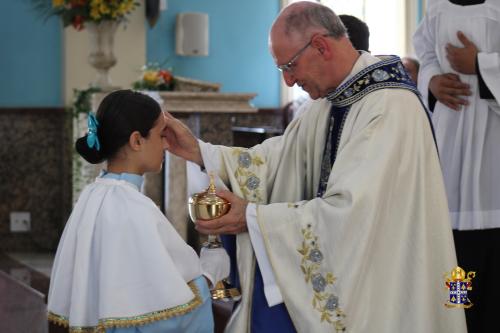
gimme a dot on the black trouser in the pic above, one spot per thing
(479, 251)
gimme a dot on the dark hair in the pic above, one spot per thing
(120, 113)
(413, 61)
(358, 32)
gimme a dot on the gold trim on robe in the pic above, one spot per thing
(139, 320)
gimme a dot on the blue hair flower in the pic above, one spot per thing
(92, 139)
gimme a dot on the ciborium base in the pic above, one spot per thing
(222, 293)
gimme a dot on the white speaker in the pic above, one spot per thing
(191, 34)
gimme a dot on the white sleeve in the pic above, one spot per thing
(424, 43)
(211, 161)
(271, 289)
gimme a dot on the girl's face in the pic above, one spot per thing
(154, 146)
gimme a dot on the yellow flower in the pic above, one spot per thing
(95, 5)
(76, 12)
(57, 3)
(94, 14)
(104, 9)
(126, 7)
(151, 77)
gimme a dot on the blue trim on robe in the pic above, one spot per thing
(387, 73)
(229, 243)
(200, 320)
(335, 127)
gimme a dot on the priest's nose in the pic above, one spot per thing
(289, 78)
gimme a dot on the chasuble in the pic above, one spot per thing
(367, 251)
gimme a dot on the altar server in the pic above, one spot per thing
(120, 265)
(458, 43)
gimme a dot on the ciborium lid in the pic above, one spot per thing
(207, 205)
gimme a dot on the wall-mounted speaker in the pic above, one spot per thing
(191, 34)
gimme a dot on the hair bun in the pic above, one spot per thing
(91, 155)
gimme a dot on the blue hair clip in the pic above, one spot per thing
(92, 139)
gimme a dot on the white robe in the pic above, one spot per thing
(379, 237)
(120, 262)
(468, 139)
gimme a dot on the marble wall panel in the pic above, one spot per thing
(35, 176)
(35, 167)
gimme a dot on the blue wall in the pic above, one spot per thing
(30, 57)
(31, 51)
(238, 54)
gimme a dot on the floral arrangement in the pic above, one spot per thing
(153, 77)
(77, 12)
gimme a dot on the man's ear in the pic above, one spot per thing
(321, 44)
(135, 141)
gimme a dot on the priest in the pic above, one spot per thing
(342, 223)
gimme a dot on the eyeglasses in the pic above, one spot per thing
(288, 67)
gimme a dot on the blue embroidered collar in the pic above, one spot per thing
(388, 73)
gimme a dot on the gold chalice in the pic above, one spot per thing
(207, 205)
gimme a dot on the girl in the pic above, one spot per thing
(120, 266)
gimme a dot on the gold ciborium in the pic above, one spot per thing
(207, 205)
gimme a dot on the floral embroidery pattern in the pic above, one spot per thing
(247, 180)
(388, 73)
(324, 301)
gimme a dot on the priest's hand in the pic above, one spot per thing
(234, 222)
(449, 90)
(462, 59)
(180, 141)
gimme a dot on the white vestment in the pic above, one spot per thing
(370, 254)
(468, 139)
(120, 262)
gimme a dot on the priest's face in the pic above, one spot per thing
(298, 62)
(154, 146)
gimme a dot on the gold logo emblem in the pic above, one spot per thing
(458, 284)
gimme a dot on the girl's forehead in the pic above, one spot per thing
(162, 120)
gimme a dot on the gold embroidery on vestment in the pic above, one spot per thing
(324, 301)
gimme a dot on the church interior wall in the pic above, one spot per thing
(41, 63)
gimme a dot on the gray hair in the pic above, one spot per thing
(313, 17)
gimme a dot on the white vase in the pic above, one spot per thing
(101, 55)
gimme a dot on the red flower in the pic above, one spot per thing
(76, 3)
(78, 22)
(166, 75)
